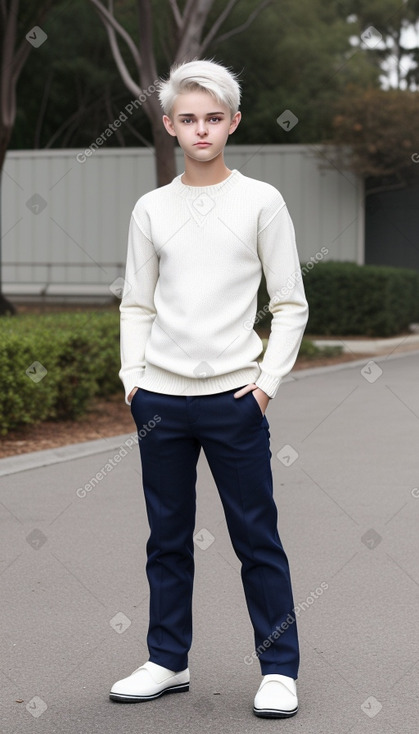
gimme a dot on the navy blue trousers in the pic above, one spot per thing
(235, 438)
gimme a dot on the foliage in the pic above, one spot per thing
(80, 353)
(366, 300)
(297, 56)
(308, 350)
(71, 90)
(391, 19)
(379, 128)
(306, 56)
(358, 300)
(16, 29)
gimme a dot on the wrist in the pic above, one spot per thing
(132, 393)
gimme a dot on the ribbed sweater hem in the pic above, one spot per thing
(159, 380)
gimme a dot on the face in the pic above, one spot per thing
(201, 124)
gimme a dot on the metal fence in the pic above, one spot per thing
(65, 215)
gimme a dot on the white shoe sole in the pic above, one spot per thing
(274, 713)
(129, 698)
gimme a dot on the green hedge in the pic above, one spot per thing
(359, 300)
(71, 356)
(309, 350)
(80, 353)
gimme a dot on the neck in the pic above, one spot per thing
(206, 173)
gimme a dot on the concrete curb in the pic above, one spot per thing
(374, 346)
(38, 459)
(310, 371)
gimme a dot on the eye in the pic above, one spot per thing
(187, 119)
(215, 119)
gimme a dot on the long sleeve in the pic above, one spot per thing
(288, 305)
(195, 257)
(137, 307)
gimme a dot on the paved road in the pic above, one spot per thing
(74, 597)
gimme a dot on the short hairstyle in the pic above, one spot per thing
(202, 74)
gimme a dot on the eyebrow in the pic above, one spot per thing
(192, 114)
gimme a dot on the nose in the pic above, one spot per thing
(201, 127)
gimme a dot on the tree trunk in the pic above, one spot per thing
(5, 135)
(164, 144)
(164, 153)
(6, 308)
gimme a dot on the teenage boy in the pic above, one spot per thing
(189, 354)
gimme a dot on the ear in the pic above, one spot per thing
(234, 122)
(167, 122)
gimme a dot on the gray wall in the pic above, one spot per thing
(392, 228)
(65, 215)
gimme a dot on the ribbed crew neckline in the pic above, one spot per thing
(189, 192)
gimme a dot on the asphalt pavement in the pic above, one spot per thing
(74, 596)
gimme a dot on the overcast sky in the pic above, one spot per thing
(409, 39)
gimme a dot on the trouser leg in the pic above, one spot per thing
(235, 439)
(169, 455)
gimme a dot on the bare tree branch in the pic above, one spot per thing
(239, 28)
(108, 104)
(176, 13)
(105, 15)
(9, 35)
(188, 9)
(3, 10)
(129, 82)
(191, 32)
(20, 59)
(62, 128)
(138, 135)
(72, 129)
(8, 92)
(25, 48)
(146, 42)
(43, 106)
(218, 23)
(122, 68)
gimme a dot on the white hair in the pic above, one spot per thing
(202, 74)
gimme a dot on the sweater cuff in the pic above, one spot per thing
(268, 383)
(130, 380)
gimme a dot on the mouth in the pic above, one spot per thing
(202, 144)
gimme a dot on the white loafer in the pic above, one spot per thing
(276, 697)
(148, 682)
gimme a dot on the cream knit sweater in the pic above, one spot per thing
(194, 264)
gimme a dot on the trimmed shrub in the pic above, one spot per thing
(357, 300)
(309, 350)
(366, 300)
(50, 366)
